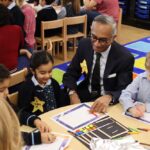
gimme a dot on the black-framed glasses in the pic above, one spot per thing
(100, 40)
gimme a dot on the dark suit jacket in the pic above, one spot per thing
(46, 14)
(119, 62)
(17, 16)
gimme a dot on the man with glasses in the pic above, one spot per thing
(106, 66)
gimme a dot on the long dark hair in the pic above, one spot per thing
(39, 58)
(4, 15)
(75, 5)
(4, 73)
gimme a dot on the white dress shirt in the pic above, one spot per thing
(103, 61)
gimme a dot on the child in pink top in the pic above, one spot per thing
(29, 23)
(109, 7)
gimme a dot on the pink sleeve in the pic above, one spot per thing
(29, 21)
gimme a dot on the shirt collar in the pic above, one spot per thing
(46, 6)
(13, 4)
(36, 83)
(105, 53)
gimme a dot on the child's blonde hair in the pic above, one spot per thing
(147, 61)
(10, 136)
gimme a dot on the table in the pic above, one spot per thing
(113, 111)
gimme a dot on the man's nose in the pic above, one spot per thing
(97, 43)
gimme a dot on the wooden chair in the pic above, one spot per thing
(46, 25)
(13, 98)
(75, 21)
(16, 78)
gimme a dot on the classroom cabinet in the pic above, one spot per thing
(136, 13)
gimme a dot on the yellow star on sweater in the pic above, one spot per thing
(38, 105)
(84, 66)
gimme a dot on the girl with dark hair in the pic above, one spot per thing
(71, 8)
(40, 93)
(32, 138)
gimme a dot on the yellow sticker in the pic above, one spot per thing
(38, 105)
(84, 66)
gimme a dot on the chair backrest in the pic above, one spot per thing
(18, 77)
(46, 25)
(13, 98)
(76, 20)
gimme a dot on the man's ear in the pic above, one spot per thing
(114, 37)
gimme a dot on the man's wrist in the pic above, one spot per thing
(110, 98)
(71, 92)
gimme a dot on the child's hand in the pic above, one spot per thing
(42, 126)
(47, 137)
(135, 112)
(28, 54)
(141, 108)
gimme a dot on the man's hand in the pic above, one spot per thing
(101, 104)
(74, 98)
(41, 125)
(47, 137)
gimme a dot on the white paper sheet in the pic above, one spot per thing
(60, 143)
(77, 117)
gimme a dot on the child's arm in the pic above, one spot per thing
(25, 114)
(36, 137)
(41, 125)
(25, 52)
(90, 4)
(24, 99)
(147, 105)
(62, 13)
(128, 95)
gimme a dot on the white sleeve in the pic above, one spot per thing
(62, 13)
(128, 96)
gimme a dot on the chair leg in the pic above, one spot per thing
(58, 49)
(65, 50)
(53, 51)
(74, 44)
(43, 46)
